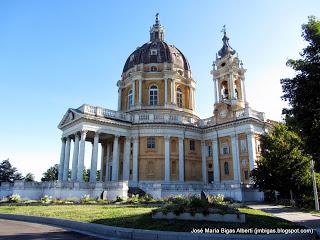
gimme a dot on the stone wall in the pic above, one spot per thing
(228, 190)
(64, 190)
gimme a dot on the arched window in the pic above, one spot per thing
(226, 168)
(154, 69)
(224, 90)
(130, 98)
(153, 95)
(179, 97)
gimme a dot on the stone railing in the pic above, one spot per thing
(249, 112)
(103, 112)
(207, 122)
(163, 117)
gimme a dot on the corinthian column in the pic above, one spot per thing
(81, 156)
(94, 158)
(135, 159)
(126, 162)
(61, 164)
(66, 160)
(166, 158)
(181, 159)
(140, 92)
(251, 149)
(215, 156)
(134, 92)
(115, 159)
(204, 162)
(75, 158)
(101, 164)
(166, 91)
(235, 157)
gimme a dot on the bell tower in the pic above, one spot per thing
(228, 79)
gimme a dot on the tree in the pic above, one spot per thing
(284, 165)
(302, 92)
(29, 177)
(8, 173)
(51, 174)
(86, 175)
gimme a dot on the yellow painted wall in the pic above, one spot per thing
(225, 158)
(151, 161)
(192, 161)
(243, 156)
(145, 91)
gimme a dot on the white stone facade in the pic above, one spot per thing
(175, 117)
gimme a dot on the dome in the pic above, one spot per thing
(157, 51)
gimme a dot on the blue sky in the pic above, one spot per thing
(60, 54)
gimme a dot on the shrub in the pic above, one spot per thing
(216, 199)
(102, 201)
(147, 198)
(85, 198)
(196, 202)
(46, 199)
(133, 199)
(178, 199)
(15, 198)
(57, 201)
(119, 199)
(177, 209)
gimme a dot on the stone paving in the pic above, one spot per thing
(293, 215)
(10, 230)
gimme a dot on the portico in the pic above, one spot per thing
(123, 158)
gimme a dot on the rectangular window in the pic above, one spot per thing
(151, 142)
(192, 145)
(153, 52)
(243, 145)
(209, 151)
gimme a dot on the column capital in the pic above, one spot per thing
(181, 138)
(116, 136)
(250, 132)
(166, 137)
(233, 135)
(76, 135)
(97, 134)
(63, 139)
(83, 132)
(215, 139)
(135, 138)
(203, 143)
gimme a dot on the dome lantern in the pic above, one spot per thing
(157, 31)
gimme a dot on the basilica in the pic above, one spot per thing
(155, 141)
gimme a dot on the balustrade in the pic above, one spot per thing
(166, 117)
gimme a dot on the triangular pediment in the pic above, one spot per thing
(68, 117)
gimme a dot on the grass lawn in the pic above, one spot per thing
(140, 217)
